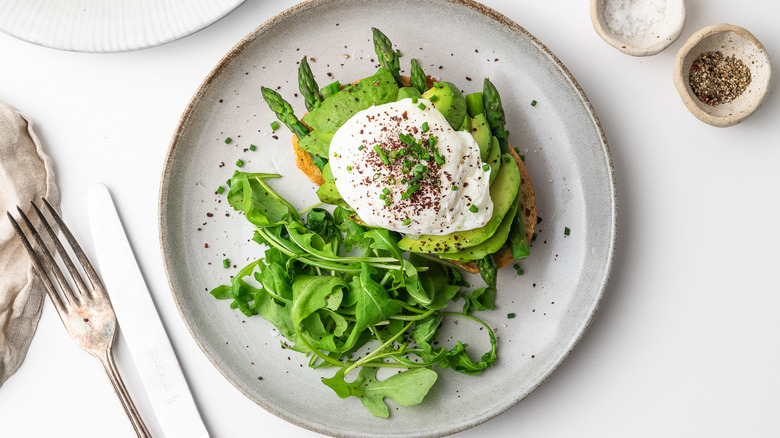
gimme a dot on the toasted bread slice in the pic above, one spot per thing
(527, 201)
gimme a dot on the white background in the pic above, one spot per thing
(687, 339)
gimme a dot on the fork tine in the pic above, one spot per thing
(53, 295)
(48, 261)
(92, 275)
(74, 273)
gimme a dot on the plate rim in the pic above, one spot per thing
(513, 27)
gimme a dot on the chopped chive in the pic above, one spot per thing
(391, 180)
(438, 157)
(387, 202)
(240, 162)
(454, 187)
(421, 106)
(403, 181)
(228, 140)
(533, 237)
(361, 147)
(376, 176)
(385, 190)
(432, 141)
(226, 263)
(473, 208)
(407, 221)
(220, 190)
(228, 183)
(566, 231)
(414, 99)
(408, 193)
(425, 127)
(420, 168)
(349, 169)
(382, 196)
(433, 98)
(252, 147)
(485, 167)
(533, 103)
(274, 125)
(510, 315)
(381, 154)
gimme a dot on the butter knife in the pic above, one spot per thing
(140, 323)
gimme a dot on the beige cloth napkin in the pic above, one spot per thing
(25, 175)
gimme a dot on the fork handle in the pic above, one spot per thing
(121, 391)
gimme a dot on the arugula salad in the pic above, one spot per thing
(354, 297)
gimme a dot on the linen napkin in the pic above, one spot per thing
(25, 175)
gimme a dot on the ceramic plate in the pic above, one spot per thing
(565, 152)
(108, 26)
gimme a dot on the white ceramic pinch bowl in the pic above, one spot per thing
(652, 39)
(729, 40)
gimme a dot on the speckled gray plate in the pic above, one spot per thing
(566, 155)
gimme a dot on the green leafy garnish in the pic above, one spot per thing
(332, 287)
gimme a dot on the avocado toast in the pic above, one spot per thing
(467, 113)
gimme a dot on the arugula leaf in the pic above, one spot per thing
(488, 270)
(320, 221)
(483, 298)
(425, 330)
(261, 205)
(407, 388)
(373, 303)
(311, 293)
(353, 232)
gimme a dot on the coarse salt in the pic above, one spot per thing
(633, 17)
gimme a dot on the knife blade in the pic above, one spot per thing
(140, 324)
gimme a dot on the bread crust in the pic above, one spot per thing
(526, 207)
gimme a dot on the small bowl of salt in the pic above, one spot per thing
(638, 27)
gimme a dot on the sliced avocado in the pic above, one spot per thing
(466, 125)
(316, 142)
(474, 104)
(328, 193)
(327, 174)
(491, 245)
(338, 108)
(494, 159)
(449, 101)
(503, 194)
(408, 92)
(480, 130)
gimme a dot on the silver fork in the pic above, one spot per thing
(86, 312)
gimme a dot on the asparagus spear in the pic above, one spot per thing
(308, 85)
(494, 113)
(284, 112)
(387, 56)
(418, 78)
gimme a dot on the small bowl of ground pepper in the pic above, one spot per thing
(722, 74)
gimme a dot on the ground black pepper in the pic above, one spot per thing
(716, 79)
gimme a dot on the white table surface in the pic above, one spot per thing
(687, 339)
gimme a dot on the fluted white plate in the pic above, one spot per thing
(108, 25)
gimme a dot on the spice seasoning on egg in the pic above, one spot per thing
(717, 79)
